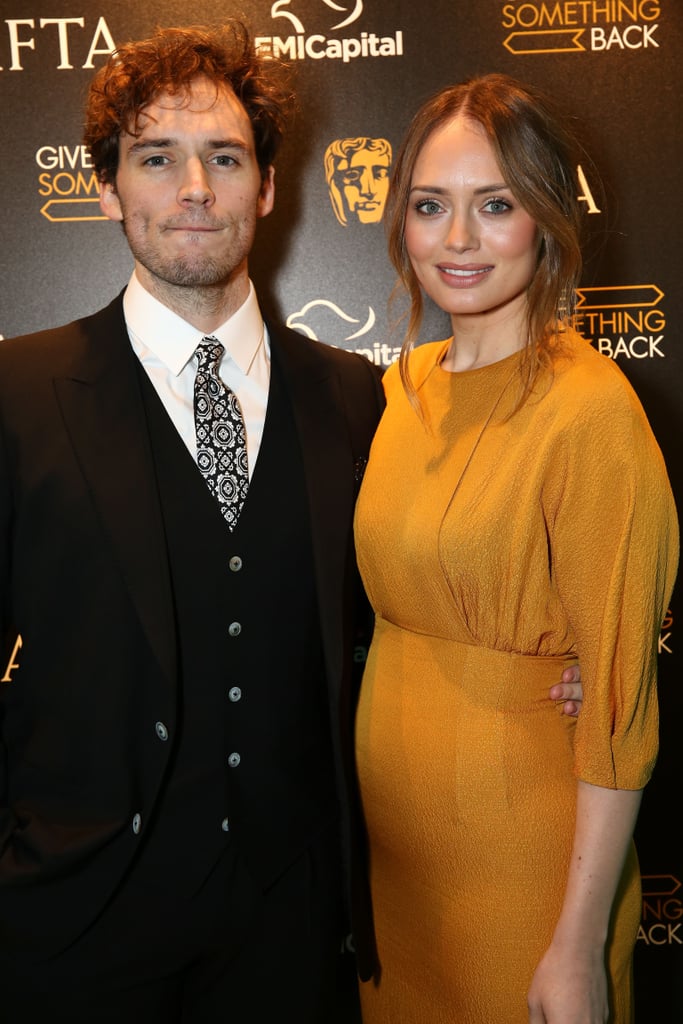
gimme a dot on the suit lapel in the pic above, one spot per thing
(102, 408)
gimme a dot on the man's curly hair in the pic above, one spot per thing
(138, 72)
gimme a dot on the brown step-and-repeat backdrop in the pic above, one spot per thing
(361, 68)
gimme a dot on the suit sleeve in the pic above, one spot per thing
(7, 633)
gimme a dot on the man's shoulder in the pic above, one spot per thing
(315, 352)
(56, 343)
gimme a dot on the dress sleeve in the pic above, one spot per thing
(613, 539)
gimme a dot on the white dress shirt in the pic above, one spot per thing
(165, 345)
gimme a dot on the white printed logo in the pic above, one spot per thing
(302, 320)
(296, 43)
(324, 320)
(277, 11)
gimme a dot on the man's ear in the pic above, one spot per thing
(109, 201)
(266, 197)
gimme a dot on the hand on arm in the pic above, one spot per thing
(570, 984)
(569, 692)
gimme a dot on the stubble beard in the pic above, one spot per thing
(191, 271)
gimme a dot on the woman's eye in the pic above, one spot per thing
(497, 206)
(428, 206)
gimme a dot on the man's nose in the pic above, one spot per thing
(195, 187)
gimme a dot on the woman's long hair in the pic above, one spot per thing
(538, 156)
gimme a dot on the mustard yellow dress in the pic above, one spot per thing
(496, 549)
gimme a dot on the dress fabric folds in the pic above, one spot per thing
(497, 546)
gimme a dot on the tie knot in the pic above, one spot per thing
(209, 353)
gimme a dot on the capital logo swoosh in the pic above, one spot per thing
(353, 16)
(308, 321)
(353, 13)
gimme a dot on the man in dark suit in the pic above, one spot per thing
(176, 785)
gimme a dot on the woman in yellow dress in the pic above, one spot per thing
(515, 516)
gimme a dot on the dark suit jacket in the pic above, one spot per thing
(84, 579)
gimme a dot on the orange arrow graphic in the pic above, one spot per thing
(550, 41)
(619, 296)
(68, 210)
(659, 885)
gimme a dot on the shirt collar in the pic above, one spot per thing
(174, 341)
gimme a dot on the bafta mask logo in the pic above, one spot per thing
(357, 173)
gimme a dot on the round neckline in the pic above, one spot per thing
(456, 374)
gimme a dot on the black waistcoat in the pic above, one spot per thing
(252, 756)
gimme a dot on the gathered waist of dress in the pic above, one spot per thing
(487, 670)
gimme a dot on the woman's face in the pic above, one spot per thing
(473, 247)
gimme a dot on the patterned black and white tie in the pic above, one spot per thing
(221, 436)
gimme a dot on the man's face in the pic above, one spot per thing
(364, 181)
(188, 191)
